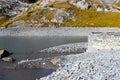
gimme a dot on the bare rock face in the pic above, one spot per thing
(11, 8)
(83, 4)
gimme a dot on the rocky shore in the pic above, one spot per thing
(53, 31)
(89, 66)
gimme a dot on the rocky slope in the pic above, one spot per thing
(59, 13)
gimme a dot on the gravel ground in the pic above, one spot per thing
(46, 63)
(52, 31)
(67, 48)
(89, 66)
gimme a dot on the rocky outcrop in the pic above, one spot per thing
(11, 8)
(83, 4)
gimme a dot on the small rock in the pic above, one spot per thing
(8, 59)
(4, 53)
(55, 60)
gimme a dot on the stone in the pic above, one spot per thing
(55, 60)
(4, 53)
(8, 59)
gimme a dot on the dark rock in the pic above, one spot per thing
(29, 1)
(4, 53)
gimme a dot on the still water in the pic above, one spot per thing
(28, 48)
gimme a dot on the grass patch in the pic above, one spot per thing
(62, 5)
(3, 19)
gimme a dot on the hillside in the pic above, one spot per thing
(72, 13)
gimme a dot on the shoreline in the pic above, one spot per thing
(53, 31)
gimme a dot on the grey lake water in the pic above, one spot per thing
(28, 48)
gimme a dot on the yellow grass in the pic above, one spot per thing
(62, 5)
(3, 19)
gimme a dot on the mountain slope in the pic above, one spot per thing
(72, 13)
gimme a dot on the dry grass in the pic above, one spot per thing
(62, 5)
(3, 19)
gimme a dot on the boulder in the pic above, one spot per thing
(8, 59)
(4, 53)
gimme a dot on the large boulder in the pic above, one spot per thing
(4, 53)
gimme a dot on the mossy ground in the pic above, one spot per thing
(83, 18)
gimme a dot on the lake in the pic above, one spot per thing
(24, 47)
